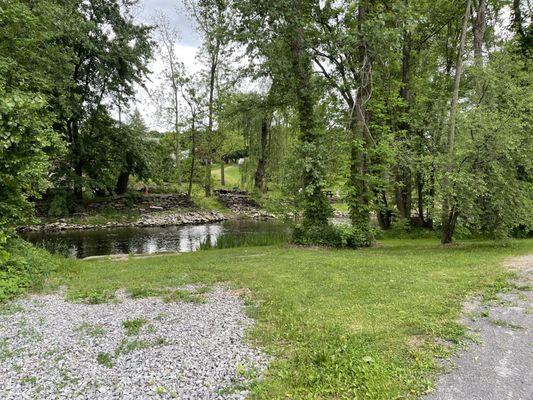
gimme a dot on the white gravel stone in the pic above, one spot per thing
(49, 349)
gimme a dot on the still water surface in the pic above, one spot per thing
(185, 238)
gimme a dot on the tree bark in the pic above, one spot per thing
(420, 198)
(480, 25)
(222, 173)
(260, 172)
(360, 203)
(316, 205)
(212, 80)
(403, 176)
(384, 214)
(122, 182)
(450, 212)
(193, 156)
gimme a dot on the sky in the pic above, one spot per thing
(186, 48)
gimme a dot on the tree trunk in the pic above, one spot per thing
(193, 156)
(448, 227)
(359, 204)
(316, 206)
(480, 25)
(222, 175)
(403, 175)
(78, 186)
(402, 194)
(420, 198)
(122, 182)
(384, 214)
(212, 80)
(450, 213)
(260, 173)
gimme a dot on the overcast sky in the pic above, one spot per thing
(186, 47)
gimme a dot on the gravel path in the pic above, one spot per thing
(131, 349)
(500, 366)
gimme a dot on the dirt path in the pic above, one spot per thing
(500, 365)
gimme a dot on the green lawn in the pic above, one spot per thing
(232, 175)
(354, 324)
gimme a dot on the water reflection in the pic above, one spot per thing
(186, 238)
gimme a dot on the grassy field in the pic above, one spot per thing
(350, 324)
(232, 175)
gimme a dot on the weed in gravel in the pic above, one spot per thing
(127, 346)
(31, 380)
(184, 296)
(504, 324)
(161, 316)
(142, 292)
(133, 326)
(105, 359)
(96, 296)
(10, 309)
(91, 330)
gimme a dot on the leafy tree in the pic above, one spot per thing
(110, 56)
(32, 65)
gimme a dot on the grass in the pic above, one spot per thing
(104, 216)
(133, 326)
(184, 296)
(340, 324)
(232, 175)
(230, 240)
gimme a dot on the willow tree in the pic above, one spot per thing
(213, 19)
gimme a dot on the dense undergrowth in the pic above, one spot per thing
(24, 267)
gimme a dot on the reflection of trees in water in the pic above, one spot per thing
(144, 240)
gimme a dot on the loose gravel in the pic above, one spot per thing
(129, 349)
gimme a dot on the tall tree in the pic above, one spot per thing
(450, 211)
(173, 79)
(213, 19)
(111, 52)
(33, 65)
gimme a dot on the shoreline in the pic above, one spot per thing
(167, 218)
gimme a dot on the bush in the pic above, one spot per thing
(23, 267)
(58, 206)
(332, 236)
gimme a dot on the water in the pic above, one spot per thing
(185, 238)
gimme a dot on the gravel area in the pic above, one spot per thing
(129, 349)
(499, 365)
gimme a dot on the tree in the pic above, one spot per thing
(173, 75)
(450, 211)
(213, 19)
(32, 66)
(110, 56)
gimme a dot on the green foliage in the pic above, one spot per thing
(185, 296)
(59, 204)
(28, 67)
(133, 326)
(24, 267)
(338, 236)
(98, 296)
(230, 240)
(105, 359)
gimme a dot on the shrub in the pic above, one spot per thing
(23, 267)
(58, 206)
(332, 236)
